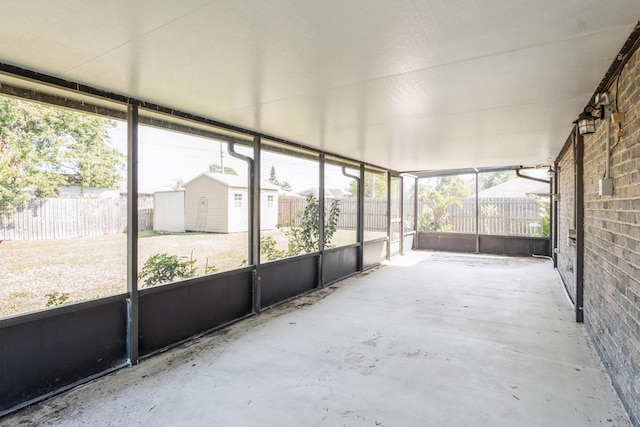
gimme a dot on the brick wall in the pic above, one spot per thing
(612, 243)
(566, 221)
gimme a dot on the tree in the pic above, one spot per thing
(273, 180)
(488, 180)
(438, 199)
(452, 186)
(371, 181)
(305, 238)
(178, 184)
(435, 216)
(43, 148)
(272, 174)
(216, 168)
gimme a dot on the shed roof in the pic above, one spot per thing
(233, 181)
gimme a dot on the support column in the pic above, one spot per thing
(255, 223)
(579, 212)
(132, 233)
(388, 215)
(553, 209)
(401, 199)
(416, 193)
(321, 201)
(477, 215)
(360, 230)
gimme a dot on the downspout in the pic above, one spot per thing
(253, 230)
(546, 181)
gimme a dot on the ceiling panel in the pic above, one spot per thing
(408, 84)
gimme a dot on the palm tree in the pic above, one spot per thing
(435, 216)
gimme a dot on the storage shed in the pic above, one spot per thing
(219, 203)
(168, 211)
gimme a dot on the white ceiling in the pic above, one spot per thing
(403, 84)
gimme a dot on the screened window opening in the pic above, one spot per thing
(63, 207)
(194, 219)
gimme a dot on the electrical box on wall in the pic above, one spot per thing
(605, 187)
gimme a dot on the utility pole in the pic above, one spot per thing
(221, 160)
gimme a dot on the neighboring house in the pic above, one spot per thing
(219, 203)
(328, 192)
(517, 188)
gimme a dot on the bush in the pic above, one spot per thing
(55, 299)
(305, 238)
(164, 268)
(268, 251)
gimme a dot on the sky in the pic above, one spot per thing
(164, 157)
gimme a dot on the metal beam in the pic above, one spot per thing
(477, 212)
(388, 213)
(132, 232)
(85, 90)
(255, 223)
(579, 212)
(401, 199)
(360, 229)
(321, 164)
(553, 213)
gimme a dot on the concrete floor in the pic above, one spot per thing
(430, 339)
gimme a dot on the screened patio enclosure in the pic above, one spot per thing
(418, 112)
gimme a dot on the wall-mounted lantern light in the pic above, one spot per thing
(550, 173)
(586, 122)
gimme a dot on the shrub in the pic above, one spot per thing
(164, 268)
(55, 298)
(268, 251)
(305, 238)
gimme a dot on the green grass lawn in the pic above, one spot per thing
(90, 267)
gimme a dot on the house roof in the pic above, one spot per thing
(328, 192)
(233, 181)
(517, 187)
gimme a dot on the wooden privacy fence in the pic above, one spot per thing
(375, 218)
(60, 218)
(517, 216)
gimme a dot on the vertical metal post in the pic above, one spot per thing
(360, 229)
(255, 223)
(477, 213)
(415, 210)
(132, 232)
(401, 199)
(388, 215)
(321, 164)
(579, 212)
(553, 212)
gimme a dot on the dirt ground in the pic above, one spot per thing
(91, 267)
